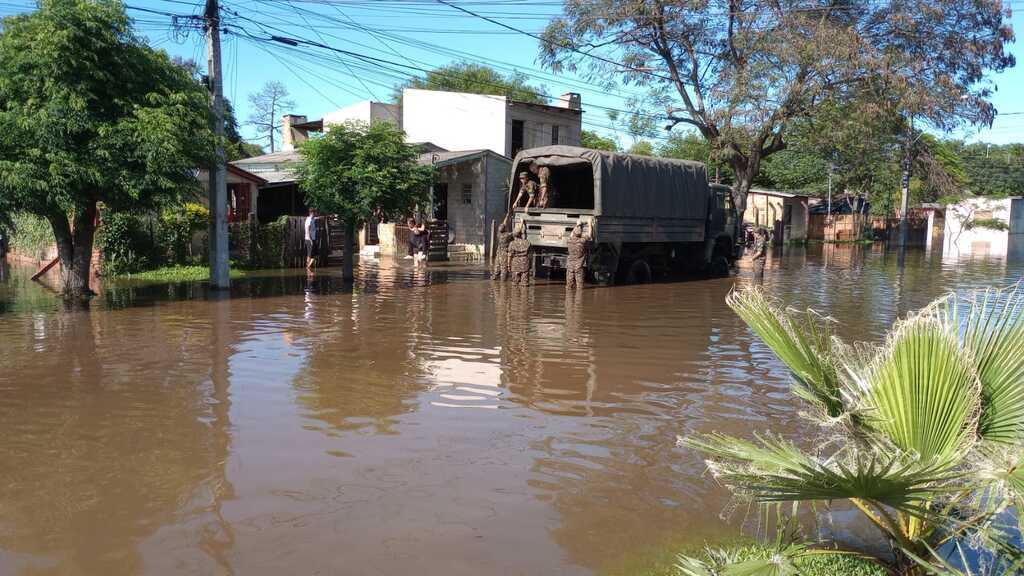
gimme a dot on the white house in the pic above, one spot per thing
(984, 226)
(458, 121)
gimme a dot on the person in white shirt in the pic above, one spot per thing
(310, 236)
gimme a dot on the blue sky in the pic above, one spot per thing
(405, 36)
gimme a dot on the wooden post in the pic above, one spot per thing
(494, 239)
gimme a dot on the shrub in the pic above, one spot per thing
(31, 235)
(270, 241)
(988, 224)
(175, 229)
(126, 243)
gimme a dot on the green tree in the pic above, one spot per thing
(993, 170)
(591, 139)
(742, 72)
(89, 113)
(477, 79)
(692, 146)
(642, 148)
(924, 432)
(356, 169)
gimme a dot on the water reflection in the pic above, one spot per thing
(422, 420)
(112, 431)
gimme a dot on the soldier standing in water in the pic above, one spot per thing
(760, 253)
(501, 269)
(519, 259)
(576, 260)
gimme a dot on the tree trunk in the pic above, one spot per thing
(348, 256)
(74, 248)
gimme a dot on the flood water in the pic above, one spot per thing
(425, 422)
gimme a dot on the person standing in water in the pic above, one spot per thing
(501, 269)
(760, 253)
(309, 227)
(576, 260)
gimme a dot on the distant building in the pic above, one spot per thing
(243, 191)
(458, 121)
(786, 213)
(984, 226)
(469, 138)
(279, 195)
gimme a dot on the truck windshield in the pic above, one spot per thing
(569, 187)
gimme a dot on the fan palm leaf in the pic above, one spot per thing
(991, 324)
(921, 392)
(802, 340)
(773, 470)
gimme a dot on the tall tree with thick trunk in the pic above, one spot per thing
(89, 114)
(357, 170)
(740, 72)
(267, 107)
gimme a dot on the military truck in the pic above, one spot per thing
(649, 218)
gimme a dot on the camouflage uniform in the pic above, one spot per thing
(520, 261)
(760, 254)
(500, 271)
(544, 193)
(576, 262)
(531, 193)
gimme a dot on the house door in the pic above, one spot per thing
(441, 201)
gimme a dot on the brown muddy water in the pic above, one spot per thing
(424, 422)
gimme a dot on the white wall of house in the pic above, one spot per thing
(455, 121)
(960, 239)
(365, 111)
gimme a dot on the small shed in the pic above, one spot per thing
(469, 195)
(784, 212)
(279, 195)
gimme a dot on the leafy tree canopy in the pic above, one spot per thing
(742, 72)
(89, 113)
(355, 170)
(477, 79)
(590, 139)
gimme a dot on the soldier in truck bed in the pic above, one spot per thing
(528, 188)
(578, 247)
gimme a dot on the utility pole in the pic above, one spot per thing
(905, 183)
(218, 233)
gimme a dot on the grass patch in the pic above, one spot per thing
(662, 561)
(179, 274)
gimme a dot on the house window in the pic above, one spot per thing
(518, 130)
(467, 193)
(554, 134)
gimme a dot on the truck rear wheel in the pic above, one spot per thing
(639, 273)
(604, 262)
(719, 267)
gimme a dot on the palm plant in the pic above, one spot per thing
(923, 432)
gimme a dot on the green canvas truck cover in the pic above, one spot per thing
(628, 186)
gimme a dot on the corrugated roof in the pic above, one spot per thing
(455, 156)
(273, 157)
(777, 193)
